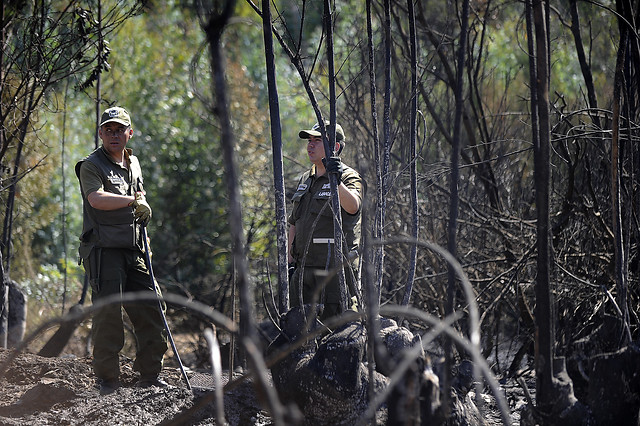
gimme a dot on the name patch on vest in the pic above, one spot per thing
(115, 179)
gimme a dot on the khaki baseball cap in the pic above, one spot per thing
(115, 114)
(315, 131)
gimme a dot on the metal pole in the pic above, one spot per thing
(164, 318)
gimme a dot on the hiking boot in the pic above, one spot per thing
(146, 382)
(108, 386)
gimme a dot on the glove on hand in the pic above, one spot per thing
(334, 165)
(141, 209)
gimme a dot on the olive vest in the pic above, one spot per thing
(113, 228)
(313, 218)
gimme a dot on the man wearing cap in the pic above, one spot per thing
(311, 231)
(112, 252)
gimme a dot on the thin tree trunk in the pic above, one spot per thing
(585, 66)
(543, 309)
(620, 263)
(453, 197)
(96, 139)
(15, 177)
(413, 153)
(276, 143)
(372, 255)
(4, 303)
(386, 132)
(214, 29)
(4, 311)
(63, 164)
(329, 144)
(3, 41)
(378, 257)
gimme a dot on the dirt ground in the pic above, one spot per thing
(63, 391)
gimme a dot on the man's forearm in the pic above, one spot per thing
(349, 201)
(103, 200)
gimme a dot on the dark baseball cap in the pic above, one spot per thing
(315, 131)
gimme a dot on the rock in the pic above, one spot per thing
(395, 338)
(340, 352)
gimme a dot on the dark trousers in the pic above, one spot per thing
(119, 271)
(312, 280)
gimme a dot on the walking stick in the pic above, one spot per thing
(147, 253)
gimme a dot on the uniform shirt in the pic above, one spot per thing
(311, 203)
(112, 228)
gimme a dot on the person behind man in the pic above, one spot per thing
(311, 252)
(112, 252)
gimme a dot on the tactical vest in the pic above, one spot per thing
(113, 228)
(313, 219)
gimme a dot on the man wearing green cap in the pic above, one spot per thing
(311, 231)
(112, 252)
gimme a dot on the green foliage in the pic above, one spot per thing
(45, 288)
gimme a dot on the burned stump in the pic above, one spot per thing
(326, 378)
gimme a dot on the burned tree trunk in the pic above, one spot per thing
(541, 139)
(452, 228)
(621, 260)
(214, 28)
(276, 143)
(413, 153)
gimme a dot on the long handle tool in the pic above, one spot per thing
(147, 253)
